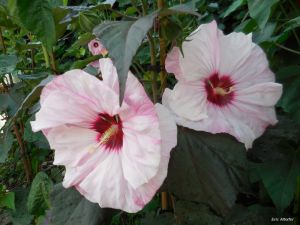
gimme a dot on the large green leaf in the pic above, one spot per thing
(39, 195)
(253, 215)
(122, 39)
(290, 100)
(269, 146)
(7, 63)
(261, 10)
(36, 16)
(280, 178)
(71, 208)
(58, 15)
(193, 213)
(208, 169)
(162, 219)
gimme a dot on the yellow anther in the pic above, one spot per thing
(108, 133)
(222, 91)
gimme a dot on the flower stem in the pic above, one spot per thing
(153, 66)
(53, 65)
(163, 53)
(288, 49)
(2, 41)
(152, 55)
(26, 162)
(46, 56)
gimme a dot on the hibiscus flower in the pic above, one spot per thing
(224, 84)
(114, 155)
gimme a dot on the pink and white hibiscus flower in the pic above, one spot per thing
(114, 155)
(224, 84)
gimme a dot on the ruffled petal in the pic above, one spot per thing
(61, 108)
(106, 186)
(73, 145)
(243, 121)
(172, 63)
(140, 155)
(235, 48)
(243, 61)
(264, 94)
(74, 97)
(168, 128)
(109, 74)
(200, 53)
(187, 100)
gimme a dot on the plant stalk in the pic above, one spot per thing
(53, 65)
(2, 41)
(288, 49)
(46, 56)
(153, 66)
(163, 53)
(26, 162)
(163, 76)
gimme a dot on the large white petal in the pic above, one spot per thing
(73, 145)
(187, 100)
(200, 52)
(264, 94)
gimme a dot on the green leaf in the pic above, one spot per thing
(213, 167)
(122, 39)
(5, 145)
(192, 213)
(7, 63)
(88, 20)
(33, 96)
(83, 40)
(170, 30)
(36, 16)
(39, 195)
(79, 64)
(233, 7)
(280, 178)
(292, 24)
(58, 15)
(71, 208)
(187, 8)
(269, 146)
(74, 11)
(161, 219)
(254, 214)
(7, 200)
(21, 216)
(290, 100)
(261, 10)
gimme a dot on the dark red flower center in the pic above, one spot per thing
(110, 133)
(219, 89)
(96, 45)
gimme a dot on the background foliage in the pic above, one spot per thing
(211, 179)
